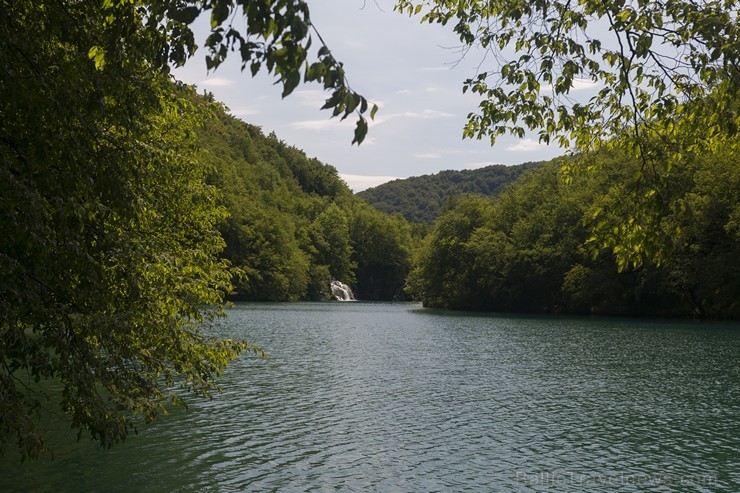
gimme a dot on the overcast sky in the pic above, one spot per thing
(412, 71)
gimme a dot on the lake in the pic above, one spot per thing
(393, 397)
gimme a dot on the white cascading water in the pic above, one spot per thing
(341, 291)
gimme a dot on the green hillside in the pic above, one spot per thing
(545, 245)
(421, 199)
(293, 225)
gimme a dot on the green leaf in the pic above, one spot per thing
(186, 15)
(351, 101)
(290, 82)
(624, 15)
(220, 12)
(97, 55)
(360, 131)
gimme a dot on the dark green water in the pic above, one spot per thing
(392, 397)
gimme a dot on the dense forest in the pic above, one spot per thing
(537, 247)
(421, 199)
(293, 225)
(130, 208)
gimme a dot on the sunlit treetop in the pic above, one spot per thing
(663, 82)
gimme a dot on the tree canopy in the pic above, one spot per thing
(422, 199)
(527, 250)
(293, 224)
(110, 244)
(665, 75)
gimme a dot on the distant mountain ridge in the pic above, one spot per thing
(421, 199)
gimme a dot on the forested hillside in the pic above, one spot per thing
(540, 246)
(421, 199)
(128, 205)
(293, 224)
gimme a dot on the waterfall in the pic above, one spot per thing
(341, 291)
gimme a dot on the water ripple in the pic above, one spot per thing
(373, 397)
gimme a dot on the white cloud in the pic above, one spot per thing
(435, 69)
(325, 124)
(527, 145)
(311, 97)
(428, 155)
(358, 183)
(216, 82)
(581, 84)
(245, 111)
(335, 123)
(425, 115)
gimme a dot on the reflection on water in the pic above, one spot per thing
(392, 397)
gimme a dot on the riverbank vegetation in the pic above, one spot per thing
(661, 82)
(293, 225)
(534, 248)
(131, 207)
(112, 220)
(645, 97)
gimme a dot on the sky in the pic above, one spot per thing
(414, 72)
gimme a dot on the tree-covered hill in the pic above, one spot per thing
(421, 199)
(538, 246)
(293, 225)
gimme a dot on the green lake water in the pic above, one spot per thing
(393, 397)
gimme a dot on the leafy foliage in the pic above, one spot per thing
(109, 252)
(527, 249)
(423, 198)
(294, 225)
(111, 219)
(650, 58)
(382, 247)
(264, 34)
(666, 79)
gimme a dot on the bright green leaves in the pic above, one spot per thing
(97, 55)
(653, 58)
(439, 277)
(294, 225)
(631, 242)
(110, 253)
(587, 247)
(625, 16)
(657, 80)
